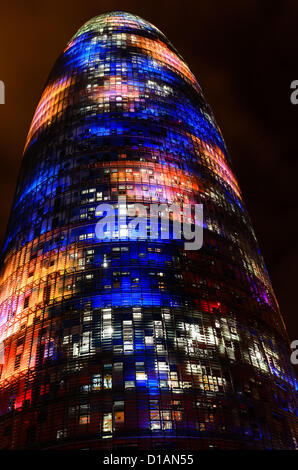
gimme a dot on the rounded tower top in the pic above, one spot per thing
(116, 18)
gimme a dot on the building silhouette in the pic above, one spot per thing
(116, 342)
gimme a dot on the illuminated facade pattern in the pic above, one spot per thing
(118, 342)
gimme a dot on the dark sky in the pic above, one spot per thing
(244, 55)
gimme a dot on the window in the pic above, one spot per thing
(96, 382)
(17, 361)
(119, 417)
(61, 433)
(107, 382)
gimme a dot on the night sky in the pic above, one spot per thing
(244, 55)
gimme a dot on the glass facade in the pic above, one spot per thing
(114, 343)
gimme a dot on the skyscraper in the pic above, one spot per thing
(109, 343)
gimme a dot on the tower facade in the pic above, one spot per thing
(109, 343)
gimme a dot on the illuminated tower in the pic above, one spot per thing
(114, 342)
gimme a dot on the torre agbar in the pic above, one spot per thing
(135, 343)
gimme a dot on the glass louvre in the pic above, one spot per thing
(117, 342)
